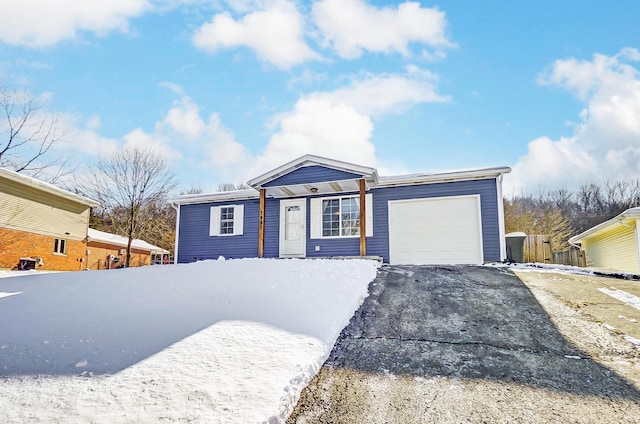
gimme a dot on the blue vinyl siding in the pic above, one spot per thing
(337, 246)
(379, 244)
(271, 229)
(195, 243)
(312, 174)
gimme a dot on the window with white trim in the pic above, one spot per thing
(60, 246)
(227, 220)
(341, 217)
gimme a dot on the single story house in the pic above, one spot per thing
(613, 244)
(319, 207)
(108, 251)
(41, 225)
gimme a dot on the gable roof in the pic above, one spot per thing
(347, 173)
(623, 219)
(114, 239)
(46, 187)
(312, 160)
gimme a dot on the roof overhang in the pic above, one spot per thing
(625, 219)
(46, 187)
(312, 189)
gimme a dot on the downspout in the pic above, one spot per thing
(175, 248)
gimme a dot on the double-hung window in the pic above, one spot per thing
(60, 246)
(341, 217)
(227, 220)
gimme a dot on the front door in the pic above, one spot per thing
(293, 228)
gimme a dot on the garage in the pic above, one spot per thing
(443, 230)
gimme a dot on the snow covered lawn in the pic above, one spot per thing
(214, 341)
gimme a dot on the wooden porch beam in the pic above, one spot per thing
(263, 195)
(363, 220)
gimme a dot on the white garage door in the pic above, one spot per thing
(443, 230)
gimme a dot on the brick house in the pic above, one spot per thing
(42, 222)
(108, 251)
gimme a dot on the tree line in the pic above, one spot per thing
(562, 213)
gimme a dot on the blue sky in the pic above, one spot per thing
(228, 90)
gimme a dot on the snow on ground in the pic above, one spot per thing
(5, 273)
(214, 341)
(622, 296)
(564, 269)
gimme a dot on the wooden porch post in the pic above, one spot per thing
(261, 223)
(363, 220)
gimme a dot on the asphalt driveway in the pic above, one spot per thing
(459, 343)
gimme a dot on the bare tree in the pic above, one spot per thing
(130, 185)
(232, 187)
(193, 189)
(28, 136)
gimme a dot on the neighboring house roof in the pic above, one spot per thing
(114, 239)
(623, 219)
(350, 183)
(49, 188)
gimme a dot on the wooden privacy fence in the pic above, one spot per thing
(575, 257)
(538, 249)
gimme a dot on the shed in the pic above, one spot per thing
(613, 244)
(319, 207)
(515, 246)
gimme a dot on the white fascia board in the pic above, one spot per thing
(446, 176)
(216, 197)
(625, 217)
(310, 160)
(46, 187)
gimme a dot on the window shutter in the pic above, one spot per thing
(214, 221)
(368, 204)
(316, 218)
(238, 220)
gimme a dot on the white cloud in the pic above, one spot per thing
(338, 124)
(307, 77)
(317, 126)
(275, 32)
(380, 94)
(182, 135)
(185, 135)
(352, 26)
(606, 140)
(78, 135)
(41, 23)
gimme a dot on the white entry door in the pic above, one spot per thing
(293, 228)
